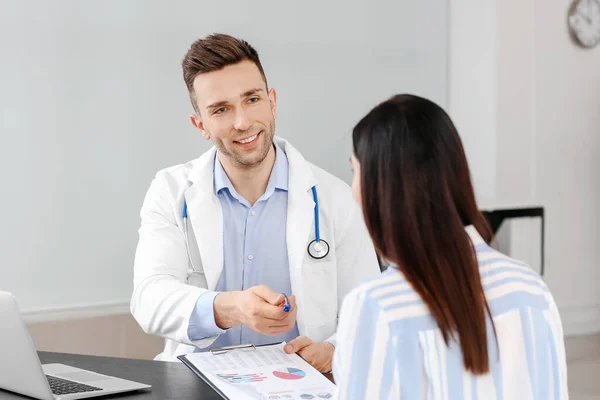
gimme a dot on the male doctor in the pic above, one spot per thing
(225, 236)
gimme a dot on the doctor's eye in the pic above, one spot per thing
(253, 100)
(220, 110)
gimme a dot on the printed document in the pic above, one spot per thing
(263, 373)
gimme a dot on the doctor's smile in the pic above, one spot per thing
(249, 141)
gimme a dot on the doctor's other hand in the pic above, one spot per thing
(317, 354)
(258, 308)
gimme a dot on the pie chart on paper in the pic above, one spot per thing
(289, 373)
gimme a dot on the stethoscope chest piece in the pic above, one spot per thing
(318, 250)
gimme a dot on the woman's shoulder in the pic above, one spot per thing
(387, 281)
(498, 269)
(389, 295)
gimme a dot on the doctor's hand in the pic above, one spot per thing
(317, 354)
(258, 308)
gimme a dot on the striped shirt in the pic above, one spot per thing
(390, 347)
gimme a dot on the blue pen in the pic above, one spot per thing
(286, 306)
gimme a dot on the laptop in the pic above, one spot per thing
(21, 371)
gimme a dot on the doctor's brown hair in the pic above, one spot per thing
(215, 52)
(417, 198)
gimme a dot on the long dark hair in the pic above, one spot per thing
(417, 198)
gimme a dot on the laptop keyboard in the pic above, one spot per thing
(62, 386)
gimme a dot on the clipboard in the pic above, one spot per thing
(262, 371)
(217, 351)
(196, 371)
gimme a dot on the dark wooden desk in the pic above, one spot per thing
(169, 380)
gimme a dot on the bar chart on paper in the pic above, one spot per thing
(242, 378)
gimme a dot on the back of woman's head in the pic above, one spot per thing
(417, 198)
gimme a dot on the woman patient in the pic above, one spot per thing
(451, 318)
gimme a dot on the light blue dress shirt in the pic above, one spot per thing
(254, 253)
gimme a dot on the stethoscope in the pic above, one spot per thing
(317, 249)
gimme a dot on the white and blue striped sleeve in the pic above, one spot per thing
(364, 364)
(559, 359)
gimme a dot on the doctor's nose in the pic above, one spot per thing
(242, 122)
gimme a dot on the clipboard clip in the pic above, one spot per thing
(222, 350)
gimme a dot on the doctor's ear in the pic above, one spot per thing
(198, 124)
(273, 101)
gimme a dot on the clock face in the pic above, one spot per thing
(584, 22)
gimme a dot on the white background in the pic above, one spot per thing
(93, 104)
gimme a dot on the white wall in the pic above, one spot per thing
(93, 104)
(473, 87)
(547, 140)
(566, 164)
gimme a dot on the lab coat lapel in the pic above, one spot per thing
(299, 220)
(206, 217)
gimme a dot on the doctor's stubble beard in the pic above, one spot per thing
(240, 161)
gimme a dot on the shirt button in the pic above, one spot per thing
(252, 212)
(250, 257)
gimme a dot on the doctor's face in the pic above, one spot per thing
(237, 113)
(356, 193)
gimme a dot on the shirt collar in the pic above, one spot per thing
(277, 180)
(474, 235)
(221, 179)
(279, 174)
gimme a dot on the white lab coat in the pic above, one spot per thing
(166, 287)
